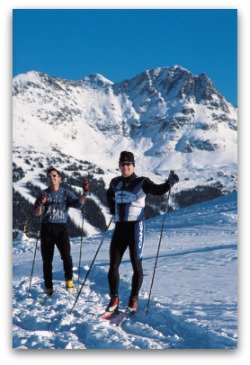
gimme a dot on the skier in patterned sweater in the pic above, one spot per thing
(126, 198)
(52, 206)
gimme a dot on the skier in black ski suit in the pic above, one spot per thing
(126, 199)
(52, 206)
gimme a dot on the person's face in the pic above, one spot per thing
(54, 178)
(126, 168)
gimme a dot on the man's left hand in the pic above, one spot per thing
(86, 187)
(173, 178)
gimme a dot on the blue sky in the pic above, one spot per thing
(122, 43)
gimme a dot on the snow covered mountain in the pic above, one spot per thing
(169, 117)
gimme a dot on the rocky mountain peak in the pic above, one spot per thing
(96, 80)
(167, 108)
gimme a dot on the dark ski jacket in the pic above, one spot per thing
(126, 196)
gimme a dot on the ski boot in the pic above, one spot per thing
(69, 285)
(132, 305)
(113, 305)
(48, 291)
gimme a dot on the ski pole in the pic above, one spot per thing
(158, 250)
(80, 255)
(87, 274)
(34, 259)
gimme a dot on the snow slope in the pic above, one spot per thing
(194, 298)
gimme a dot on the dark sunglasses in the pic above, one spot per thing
(126, 163)
(53, 175)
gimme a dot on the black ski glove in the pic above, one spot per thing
(173, 178)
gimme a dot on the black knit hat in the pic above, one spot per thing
(127, 156)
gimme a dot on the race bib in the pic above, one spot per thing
(125, 197)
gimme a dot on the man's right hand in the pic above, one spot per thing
(43, 199)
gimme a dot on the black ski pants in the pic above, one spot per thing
(55, 234)
(131, 235)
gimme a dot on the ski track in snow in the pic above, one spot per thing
(52, 326)
(193, 304)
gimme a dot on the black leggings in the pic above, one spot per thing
(125, 235)
(55, 234)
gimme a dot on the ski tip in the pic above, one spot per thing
(107, 315)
